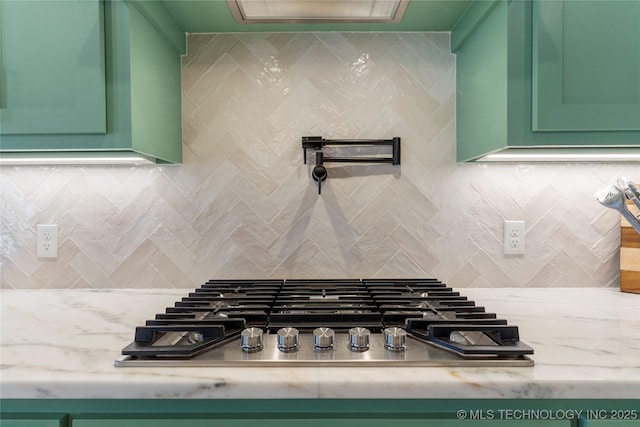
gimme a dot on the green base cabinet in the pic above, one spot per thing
(307, 422)
(610, 423)
(528, 75)
(323, 412)
(142, 48)
(34, 420)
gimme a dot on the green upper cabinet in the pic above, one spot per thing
(141, 81)
(547, 74)
(586, 65)
(52, 67)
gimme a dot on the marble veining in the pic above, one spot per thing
(62, 344)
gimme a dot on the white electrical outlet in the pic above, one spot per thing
(47, 237)
(514, 237)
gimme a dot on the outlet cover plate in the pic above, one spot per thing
(47, 241)
(513, 237)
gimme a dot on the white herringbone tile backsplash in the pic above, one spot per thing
(243, 205)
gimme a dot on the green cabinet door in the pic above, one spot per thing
(586, 65)
(52, 67)
(293, 421)
(611, 422)
(31, 423)
(142, 76)
(547, 74)
(33, 420)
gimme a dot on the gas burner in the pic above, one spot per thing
(381, 322)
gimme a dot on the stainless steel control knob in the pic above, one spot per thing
(251, 340)
(395, 338)
(287, 339)
(359, 339)
(323, 338)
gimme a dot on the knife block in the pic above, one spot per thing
(629, 255)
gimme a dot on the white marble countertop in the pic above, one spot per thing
(62, 344)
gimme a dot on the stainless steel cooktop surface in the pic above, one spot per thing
(368, 322)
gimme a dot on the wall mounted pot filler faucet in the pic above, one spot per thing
(317, 143)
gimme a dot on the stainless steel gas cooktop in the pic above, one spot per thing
(369, 322)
